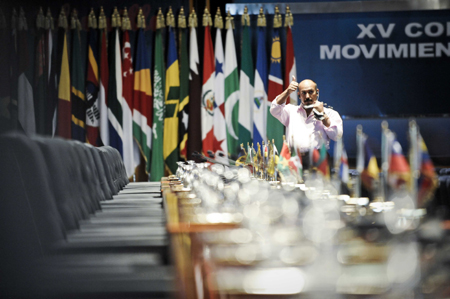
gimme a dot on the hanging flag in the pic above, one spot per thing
(92, 86)
(428, 181)
(104, 80)
(320, 161)
(40, 71)
(195, 87)
(219, 127)
(231, 89)
(399, 171)
(63, 126)
(142, 98)
(52, 80)
(77, 79)
(183, 111)
(172, 101)
(246, 83)
(157, 168)
(371, 171)
(25, 102)
(275, 128)
(207, 115)
(115, 92)
(127, 101)
(260, 93)
(290, 66)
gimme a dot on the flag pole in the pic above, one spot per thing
(413, 159)
(359, 159)
(337, 163)
(275, 172)
(384, 159)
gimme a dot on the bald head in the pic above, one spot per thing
(307, 82)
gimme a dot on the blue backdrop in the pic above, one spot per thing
(365, 84)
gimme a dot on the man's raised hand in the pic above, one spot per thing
(293, 85)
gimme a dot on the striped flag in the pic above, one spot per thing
(77, 80)
(115, 114)
(143, 100)
(157, 168)
(64, 107)
(25, 102)
(127, 104)
(172, 102)
(399, 171)
(291, 68)
(103, 90)
(195, 83)
(207, 115)
(320, 161)
(275, 128)
(220, 129)
(92, 90)
(183, 111)
(428, 180)
(260, 94)
(231, 93)
(246, 83)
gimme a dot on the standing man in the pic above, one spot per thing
(308, 122)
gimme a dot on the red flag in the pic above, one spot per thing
(208, 94)
(127, 106)
(399, 170)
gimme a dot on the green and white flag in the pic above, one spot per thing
(157, 167)
(246, 84)
(231, 92)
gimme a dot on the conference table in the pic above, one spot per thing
(283, 248)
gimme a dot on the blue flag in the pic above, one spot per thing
(260, 94)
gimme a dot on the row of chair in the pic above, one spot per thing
(73, 226)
